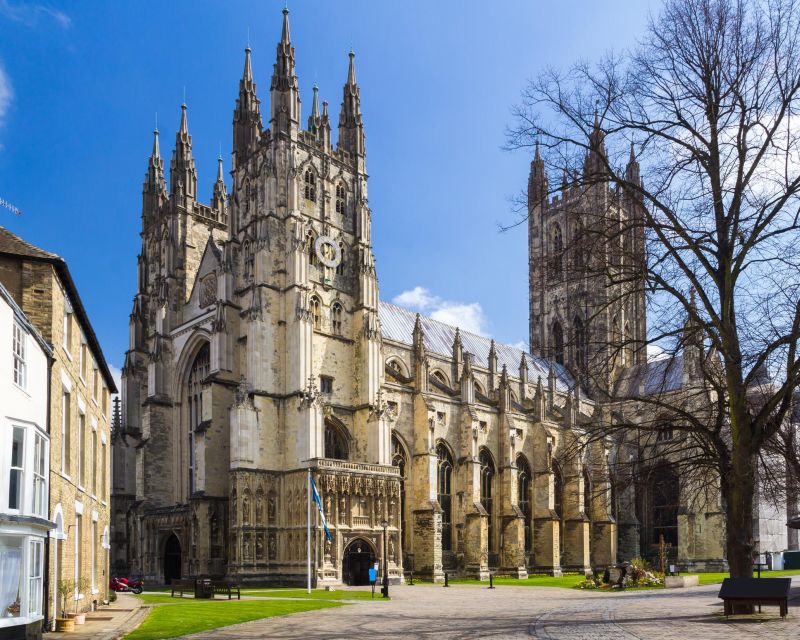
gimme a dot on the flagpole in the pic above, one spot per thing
(308, 537)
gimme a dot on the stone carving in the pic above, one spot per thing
(208, 290)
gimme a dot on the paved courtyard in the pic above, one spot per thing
(426, 611)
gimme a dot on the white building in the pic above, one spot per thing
(24, 470)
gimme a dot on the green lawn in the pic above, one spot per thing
(181, 617)
(316, 594)
(713, 578)
(566, 582)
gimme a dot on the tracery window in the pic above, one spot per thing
(336, 318)
(199, 372)
(524, 496)
(340, 198)
(444, 494)
(335, 443)
(400, 460)
(558, 342)
(316, 312)
(310, 185)
(487, 490)
(557, 249)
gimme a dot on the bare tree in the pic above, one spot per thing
(707, 100)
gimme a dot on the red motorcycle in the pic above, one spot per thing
(124, 585)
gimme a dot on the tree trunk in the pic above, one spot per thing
(738, 488)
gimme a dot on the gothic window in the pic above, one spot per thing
(198, 373)
(340, 198)
(247, 196)
(335, 442)
(444, 494)
(248, 260)
(581, 348)
(578, 246)
(400, 460)
(310, 185)
(524, 496)
(558, 504)
(557, 249)
(310, 249)
(316, 312)
(342, 255)
(396, 368)
(558, 342)
(336, 318)
(487, 490)
(478, 389)
(326, 384)
(663, 494)
(441, 378)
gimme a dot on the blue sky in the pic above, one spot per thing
(81, 82)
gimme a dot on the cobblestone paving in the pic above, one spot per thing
(433, 612)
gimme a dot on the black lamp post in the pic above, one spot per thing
(385, 589)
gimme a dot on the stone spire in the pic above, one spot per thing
(154, 189)
(537, 182)
(315, 119)
(523, 377)
(595, 163)
(325, 126)
(182, 172)
(247, 114)
(219, 201)
(351, 127)
(284, 91)
(632, 169)
(458, 356)
(492, 365)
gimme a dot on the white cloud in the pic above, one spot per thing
(29, 14)
(469, 316)
(6, 93)
(522, 345)
(117, 375)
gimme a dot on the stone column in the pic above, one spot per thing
(604, 529)
(576, 523)
(511, 521)
(546, 543)
(476, 523)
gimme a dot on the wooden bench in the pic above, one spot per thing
(755, 591)
(226, 588)
(182, 586)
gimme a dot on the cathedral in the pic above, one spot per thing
(260, 349)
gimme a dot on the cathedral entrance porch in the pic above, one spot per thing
(172, 559)
(357, 560)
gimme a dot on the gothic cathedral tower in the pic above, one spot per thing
(582, 315)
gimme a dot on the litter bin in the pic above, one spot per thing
(203, 589)
(791, 559)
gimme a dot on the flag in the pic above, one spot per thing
(315, 495)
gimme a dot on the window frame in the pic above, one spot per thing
(19, 338)
(17, 470)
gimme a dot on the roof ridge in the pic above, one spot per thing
(10, 236)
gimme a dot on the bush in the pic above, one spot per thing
(112, 595)
(595, 582)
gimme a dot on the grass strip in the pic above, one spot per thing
(175, 617)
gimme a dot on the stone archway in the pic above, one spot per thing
(172, 559)
(357, 560)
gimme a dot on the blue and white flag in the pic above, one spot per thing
(315, 495)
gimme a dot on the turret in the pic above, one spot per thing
(458, 356)
(154, 189)
(537, 182)
(492, 366)
(523, 377)
(284, 92)
(219, 201)
(596, 158)
(182, 172)
(351, 127)
(247, 114)
(318, 122)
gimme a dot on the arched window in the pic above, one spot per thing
(335, 442)
(444, 494)
(581, 348)
(310, 185)
(248, 260)
(524, 497)
(579, 246)
(316, 312)
(487, 490)
(557, 250)
(558, 504)
(400, 460)
(336, 318)
(340, 198)
(396, 368)
(342, 257)
(441, 378)
(197, 374)
(478, 389)
(558, 342)
(311, 250)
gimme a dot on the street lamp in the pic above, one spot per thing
(385, 589)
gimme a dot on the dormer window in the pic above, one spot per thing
(310, 185)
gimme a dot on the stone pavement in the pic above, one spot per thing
(107, 623)
(545, 613)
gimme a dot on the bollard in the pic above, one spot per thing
(445, 579)
(491, 584)
(411, 577)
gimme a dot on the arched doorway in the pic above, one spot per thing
(172, 559)
(358, 559)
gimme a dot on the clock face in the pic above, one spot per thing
(328, 251)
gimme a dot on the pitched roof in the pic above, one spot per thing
(12, 244)
(397, 324)
(657, 376)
